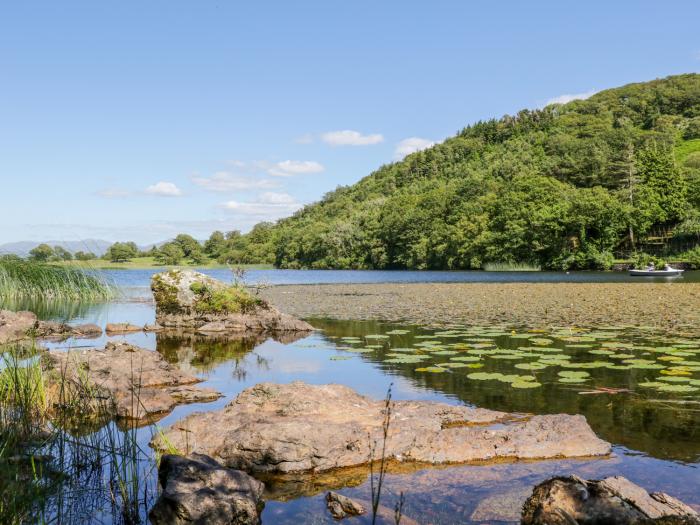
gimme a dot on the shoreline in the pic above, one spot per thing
(656, 305)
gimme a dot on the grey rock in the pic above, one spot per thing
(341, 506)
(121, 379)
(196, 490)
(611, 501)
(176, 308)
(15, 326)
(296, 427)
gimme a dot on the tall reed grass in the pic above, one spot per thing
(22, 280)
(511, 267)
(61, 465)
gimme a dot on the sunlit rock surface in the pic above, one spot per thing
(296, 427)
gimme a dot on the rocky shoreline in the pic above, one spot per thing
(659, 305)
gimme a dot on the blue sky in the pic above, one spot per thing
(137, 120)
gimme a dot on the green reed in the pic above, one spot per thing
(20, 279)
(61, 464)
(511, 267)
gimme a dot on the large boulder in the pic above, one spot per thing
(122, 380)
(15, 326)
(296, 427)
(197, 490)
(610, 501)
(189, 299)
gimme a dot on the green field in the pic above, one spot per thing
(146, 263)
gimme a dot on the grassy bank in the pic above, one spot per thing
(21, 279)
(148, 263)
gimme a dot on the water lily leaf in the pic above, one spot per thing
(525, 384)
(432, 369)
(681, 389)
(398, 332)
(572, 373)
(573, 379)
(466, 358)
(376, 336)
(541, 341)
(531, 366)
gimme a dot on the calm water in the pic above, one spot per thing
(654, 425)
(140, 279)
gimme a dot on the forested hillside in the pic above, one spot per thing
(567, 186)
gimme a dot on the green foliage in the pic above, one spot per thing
(562, 187)
(692, 257)
(170, 254)
(61, 254)
(33, 280)
(41, 253)
(229, 299)
(121, 252)
(84, 256)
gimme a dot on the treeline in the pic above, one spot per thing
(224, 248)
(565, 187)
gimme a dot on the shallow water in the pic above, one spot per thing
(656, 432)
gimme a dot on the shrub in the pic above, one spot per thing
(229, 299)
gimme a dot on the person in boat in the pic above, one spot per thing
(651, 267)
(667, 267)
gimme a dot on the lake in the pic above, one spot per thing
(650, 412)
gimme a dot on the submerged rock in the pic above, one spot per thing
(56, 330)
(341, 506)
(610, 501)
(197, 491)
(15, 326)
(122, 380)
(189, 299)
(296, 427)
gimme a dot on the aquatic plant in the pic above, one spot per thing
(20, 279)
(511, 267)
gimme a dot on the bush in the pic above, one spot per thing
(692, 257)
(228, 300)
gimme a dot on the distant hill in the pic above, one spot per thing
(566, 186)
(21, 248)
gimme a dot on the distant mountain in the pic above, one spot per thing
(22, 248)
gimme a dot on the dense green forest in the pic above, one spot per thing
(567, 186)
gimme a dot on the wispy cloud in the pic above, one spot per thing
(349, 137)
(285, 168)
(411, 145)
(267, 206)
(164, 189)
(226, 181)
(563, 99)
(288, 168)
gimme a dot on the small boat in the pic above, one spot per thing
(648, 272)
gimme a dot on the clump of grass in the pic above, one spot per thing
(20, 279)
(229, 299)
(511, 267)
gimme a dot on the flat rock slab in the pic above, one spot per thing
(56, 330)
(613, 501)
(14, 326)
(296, 427)
(199, 491)
(123, 380)
(176, 307)
(122, 328)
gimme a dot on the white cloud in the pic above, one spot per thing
(349, 137)
(164, 189)
(411, 145)
(563, 99)
(267, 206)
(288, 168)
(225, 181)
